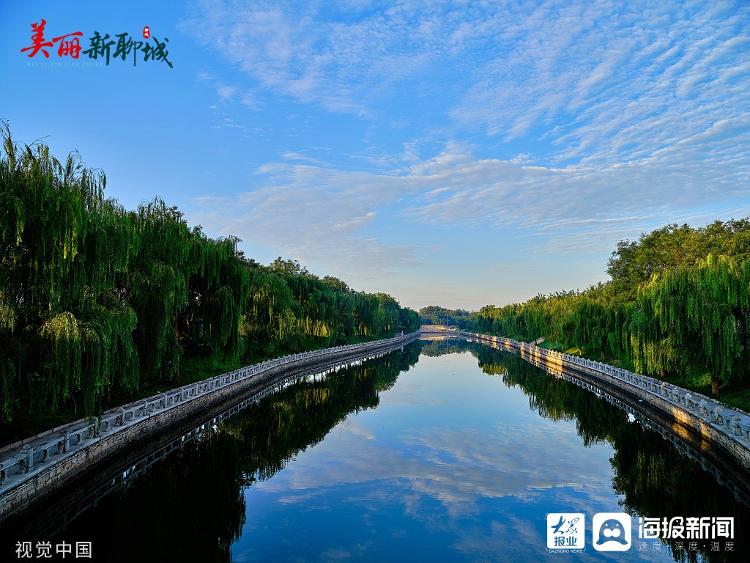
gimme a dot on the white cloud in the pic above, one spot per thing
(611, 118)
(226, 92)
(457, 467)
(313, 214)
(295, 156)
(298, 205)
(300, 52)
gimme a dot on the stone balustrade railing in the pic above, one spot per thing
(733, 423)
(17, 460)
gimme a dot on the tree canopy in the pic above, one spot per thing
(98, 302)
(677, 305)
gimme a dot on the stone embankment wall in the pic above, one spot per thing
(717, 423)
(32, 467)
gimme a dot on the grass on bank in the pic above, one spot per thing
(39, 418)
(731, 395)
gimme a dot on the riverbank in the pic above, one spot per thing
(455, 433)
(39, 417)
(31, 468)
(711, 422)
(733, 396)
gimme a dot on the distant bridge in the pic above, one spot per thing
(442, 330)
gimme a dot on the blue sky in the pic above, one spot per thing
(447, 153)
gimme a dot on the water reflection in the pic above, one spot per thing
(451, 465)
(653, 477)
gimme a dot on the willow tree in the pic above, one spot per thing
(217, 292)
(65, 328)
(689, 320)
(98, 303)
(289, 309)
(91, 295)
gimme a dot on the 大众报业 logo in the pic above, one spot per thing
(611, 531)
(566, 530)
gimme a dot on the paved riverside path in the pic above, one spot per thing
(34, 466)
(724, 426)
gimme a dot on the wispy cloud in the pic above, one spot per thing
(574, 207)
(585, 122)
(314, 214)
(310, 55)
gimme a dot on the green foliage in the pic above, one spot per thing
(689, 320)
(435, 315)
(678, 306)
(291, 309)
(99, 304)
(634, 262)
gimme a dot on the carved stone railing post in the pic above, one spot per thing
(29, 458)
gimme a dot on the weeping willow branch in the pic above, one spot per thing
(96, 300)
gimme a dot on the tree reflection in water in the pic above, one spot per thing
(191, 506)
(654, 478)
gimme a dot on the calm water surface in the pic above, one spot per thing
(446, 451)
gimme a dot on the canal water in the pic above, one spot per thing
(445, 451)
